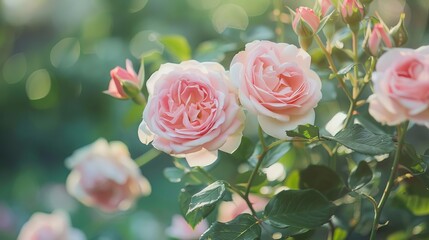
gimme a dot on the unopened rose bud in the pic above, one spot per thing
(399, 32)
(306, 22)
(124, 83)
(352, 12)
(377, 38)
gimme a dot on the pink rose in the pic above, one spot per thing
(276, 83)
(401, 87)
(230, 210)
(103, 175)
(378, 36)
(305, 22)
(55, 226)
(181, 230)
(192, 112)
(120, 75)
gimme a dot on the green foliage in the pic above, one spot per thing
(360, 176)
(207, 197)
(177, 46)
(324, 180)
(306, 131)
(299, 208)
(197, 215)
(362, 140)
(243, 227)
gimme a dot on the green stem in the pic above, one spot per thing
(139, 99)
(255, 171)
(333, 68)
(261, 138)
(147, 157)
(402, 129)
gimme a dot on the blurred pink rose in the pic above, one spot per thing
(401, 87)
(378, 36)
(275, 82)
(230, 210)
(192, 112)
(325, 5)
(55, 226)
(306, 22)
(181, 230)
(119, 75)
(103, 175)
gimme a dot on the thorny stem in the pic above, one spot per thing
(402, 129)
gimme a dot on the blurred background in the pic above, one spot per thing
(55, 58)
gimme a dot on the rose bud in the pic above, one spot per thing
(352, 12)
(104, 176)
(43, 226)
(399, 32)
(305, 24)
(377, 38)
(125, 83)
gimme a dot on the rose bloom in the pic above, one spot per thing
(181, 230)
(55, 226)
(103, 175)
(230, 210)
(119, 75)
(401, 87)
(276, 83)
(192, 111)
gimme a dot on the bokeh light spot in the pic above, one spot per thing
(65, 53)
(253, 7)
(137, 5)
(144, 43)
(230, 16)
(15, 68)
(38, 84)
(204, 4)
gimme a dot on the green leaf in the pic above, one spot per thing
(177, 46)
(340, 234)
(173, 174)
(275, 154)
(245, 150)
(243, 227)
(299, 208)
(207, 197)
(324, 180)
(195, 177)
(417, 164)
(413, 196)
(361, 140)
(306, 131)
(360, 176)
(185, 198)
